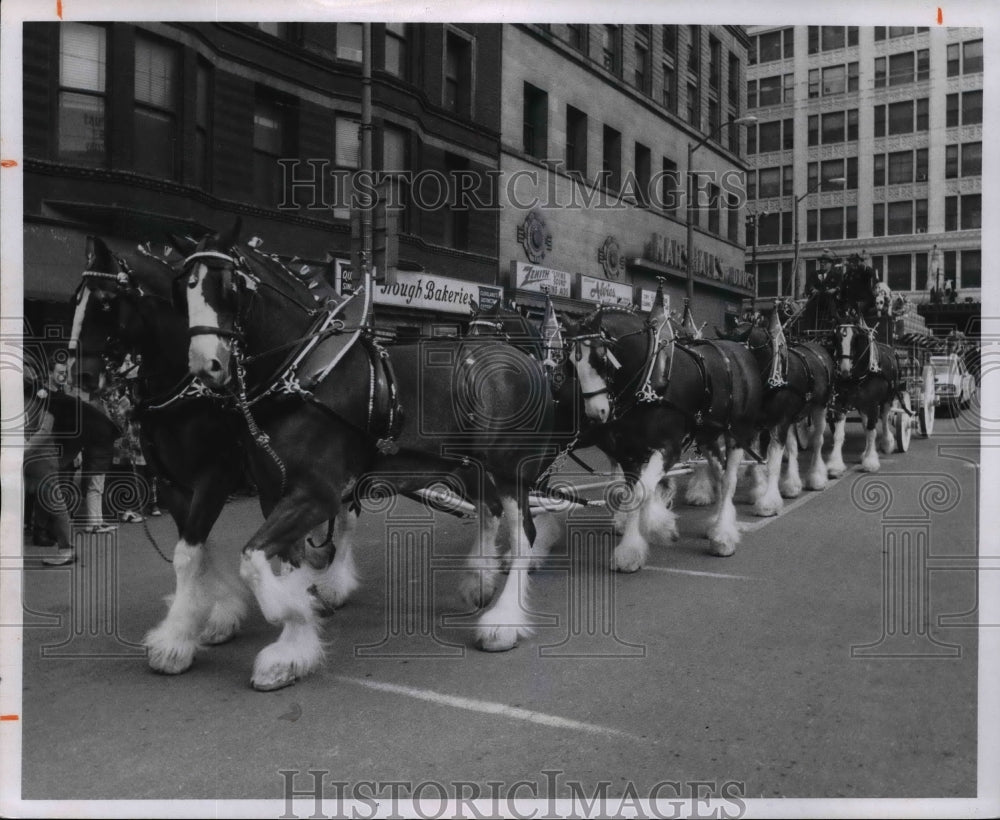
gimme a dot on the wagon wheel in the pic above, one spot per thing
(803, 432)
(903, 423)
(928, 403)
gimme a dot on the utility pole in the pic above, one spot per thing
(366, 149)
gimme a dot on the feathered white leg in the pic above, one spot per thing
(724, 533)
(770, 502)
(505, 621)
(338, 582)
(285, 601)
(816, 477)
(791, 480)
(631, 552)
(835, 466)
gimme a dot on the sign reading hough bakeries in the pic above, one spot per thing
(429, 292)
(526, 276)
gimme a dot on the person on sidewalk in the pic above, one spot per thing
(42, 464)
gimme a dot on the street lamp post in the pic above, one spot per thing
(752, 222)
(798, 287)
(692, 192)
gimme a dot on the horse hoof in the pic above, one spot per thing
(266, 684)
(835, 472)
(766, 510)
(721, 547)
(791, 492)
(497, 638)
(171, 660)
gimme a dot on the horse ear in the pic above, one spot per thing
(184, 245)
(232, 237)
(98, 254)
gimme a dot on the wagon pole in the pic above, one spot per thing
(366, 151)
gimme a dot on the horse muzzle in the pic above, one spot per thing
(208, 360)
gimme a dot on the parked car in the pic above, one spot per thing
(953, 383)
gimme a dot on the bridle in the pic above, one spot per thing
(232, 273)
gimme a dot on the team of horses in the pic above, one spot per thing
(244, 370)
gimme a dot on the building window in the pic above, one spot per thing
(268, 148)
(769, 136)
(670, 186)
(920, 266)
(769, 182)
(396, 52)
(972, 212)
(349, 37)
(202, 123)
(396, 164)
(669, 88)
(642, 68)
(733, 217)
(714, 63)
(536, 121)
(576, 36)
(346, 151)
(456, 219)
(458, 74)
(82, 93)
(901, 117)
(965, 109)
(775, 45)
(643, 172)
(900, 218)
(670, 41)
(951, 213)
(693, 106)
(898, 271)
(694, 49)
(972, 159)
(972, 58)
(611, 158)
(576, 140)
(972, 276)
(951, 161)
(908, 67)
(714, 121)
(751, 93)
(156, 84)
(734, 80)
(610, 49)
(770, 91)
(714, 201)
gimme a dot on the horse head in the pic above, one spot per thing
(106, 318)
(214, 283)
(849, 339)
(607, 349)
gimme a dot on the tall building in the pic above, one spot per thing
(869, 140)
(132, 130)
(596, 123)
(524, 156)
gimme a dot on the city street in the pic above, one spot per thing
(834, 655)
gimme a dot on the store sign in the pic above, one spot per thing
(646, 299)
(604, 292)
(343, 274)
(525, 276)
(704, 265)
(425, 291)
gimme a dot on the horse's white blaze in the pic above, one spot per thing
(205, 347)
(286, 601)
(631, 553)
(505, 621)
(78, 316)
(173, 642)
(846, 338)
(597, 407)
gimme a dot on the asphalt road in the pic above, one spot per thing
(832, 656)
